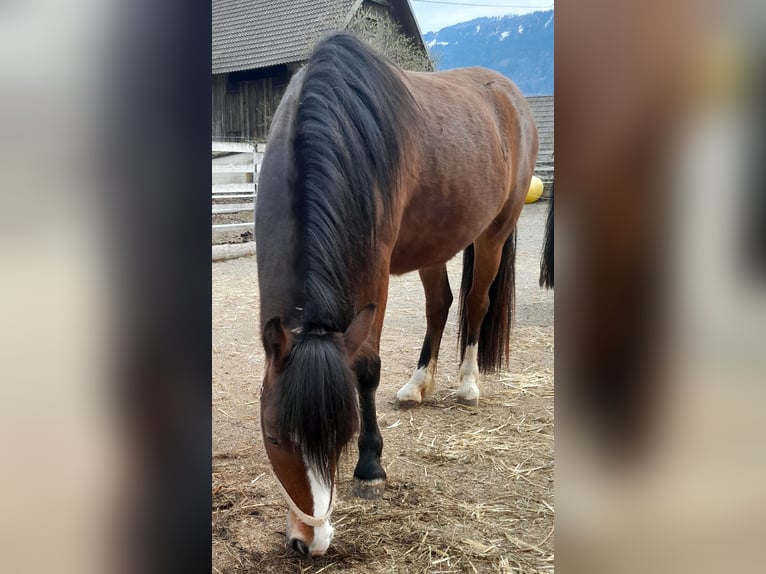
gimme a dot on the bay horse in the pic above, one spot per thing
(372, 171)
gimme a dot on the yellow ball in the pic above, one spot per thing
(535, 189)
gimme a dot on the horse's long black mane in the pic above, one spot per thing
(352, 114)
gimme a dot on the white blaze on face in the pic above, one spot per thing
(321, 494)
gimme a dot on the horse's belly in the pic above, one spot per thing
(443, 219)
(419, 248)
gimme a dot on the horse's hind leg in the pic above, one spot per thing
(489, 300)
(438, 301)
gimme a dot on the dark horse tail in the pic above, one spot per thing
(495, 334)
(546, 260)
(352, 114)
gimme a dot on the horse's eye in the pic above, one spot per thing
(272, 440)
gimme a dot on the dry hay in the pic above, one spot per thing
(434, 516)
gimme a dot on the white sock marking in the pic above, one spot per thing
(420, 385)
(469, 374)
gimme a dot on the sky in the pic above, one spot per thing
(435, 16)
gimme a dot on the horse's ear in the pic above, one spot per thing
(276, 341)
(359, 329)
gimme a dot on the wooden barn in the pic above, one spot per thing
(542, 109)
(259, 44)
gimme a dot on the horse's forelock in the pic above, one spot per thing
(317, 401)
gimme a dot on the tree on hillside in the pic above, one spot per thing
(385, 35)
(382, 32)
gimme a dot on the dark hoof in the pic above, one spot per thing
(369, 489)
(299, 546)
(468, 402)
(406, 405)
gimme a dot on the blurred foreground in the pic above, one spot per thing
(660, 294)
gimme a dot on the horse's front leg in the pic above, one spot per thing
(369, 476)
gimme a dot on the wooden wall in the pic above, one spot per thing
(244, 102)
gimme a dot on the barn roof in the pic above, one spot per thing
(542, 109)
(250, 34)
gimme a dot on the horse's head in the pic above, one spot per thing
(309, 413)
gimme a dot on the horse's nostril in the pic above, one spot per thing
(299, 546)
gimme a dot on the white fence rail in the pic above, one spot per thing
(237, 196)
(235, 183)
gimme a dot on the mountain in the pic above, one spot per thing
(518, 46)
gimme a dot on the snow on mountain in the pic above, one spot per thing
(518, 46)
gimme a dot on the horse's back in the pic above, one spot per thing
(475, 113)
(474, 85)
(476, 141)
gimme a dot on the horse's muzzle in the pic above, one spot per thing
(299, 546)
(306, 540)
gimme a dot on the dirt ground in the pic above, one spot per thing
(469, 489)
